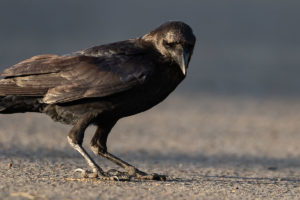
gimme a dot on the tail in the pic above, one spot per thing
(18, 104)
(3, 104)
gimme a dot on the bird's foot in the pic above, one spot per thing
(140, 175)
(154, 176)
(86, 174)
(113, 175)
(135, 175)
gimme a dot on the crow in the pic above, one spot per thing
(100, 85)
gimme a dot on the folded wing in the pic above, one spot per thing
(60, 79)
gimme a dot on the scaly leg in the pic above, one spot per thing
(131, 170)
(75, 138)
(95, 168)
(98, 146)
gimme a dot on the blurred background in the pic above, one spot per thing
(234, 120)
(246, 48)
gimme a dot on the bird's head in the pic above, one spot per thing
(175, 41)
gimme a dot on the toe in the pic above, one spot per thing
(87, 174)
(83, 172)
(158, 177)
(155, 177)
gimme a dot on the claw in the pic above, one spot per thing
(86, 174)
(155, 177)
(83, 172)
(79, 170)
(159, 177)
(110, 178)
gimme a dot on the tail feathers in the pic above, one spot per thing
(5, 102)
(18, 104)
(2, 104)
(2, 108)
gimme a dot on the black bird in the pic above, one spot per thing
(100, 85)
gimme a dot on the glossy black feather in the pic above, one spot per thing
(116, 80)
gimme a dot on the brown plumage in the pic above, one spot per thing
(100, 85)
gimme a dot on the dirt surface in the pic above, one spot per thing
(211, 147)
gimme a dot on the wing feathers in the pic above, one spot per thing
(41, 64)
(10, 87)
(61, 79)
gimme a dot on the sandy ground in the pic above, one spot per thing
(211, 147)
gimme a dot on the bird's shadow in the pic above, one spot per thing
(158, 157)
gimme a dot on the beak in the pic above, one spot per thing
(182, 59)
(184, 62)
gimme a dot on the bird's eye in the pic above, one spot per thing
(169, 44)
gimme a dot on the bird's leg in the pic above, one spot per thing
(75, 138)
(131, 170)
(98, 146)
(95, 168)
(98, 142)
